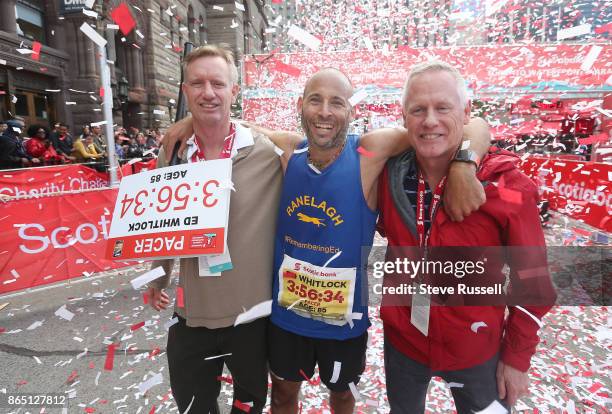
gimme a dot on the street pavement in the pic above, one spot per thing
(42, 353)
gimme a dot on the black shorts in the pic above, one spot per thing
(293, 358)
(195, 380)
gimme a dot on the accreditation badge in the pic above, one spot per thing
(419, 311)
(322, 293)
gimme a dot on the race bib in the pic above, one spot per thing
(322, 293)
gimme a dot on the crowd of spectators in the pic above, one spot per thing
(391, 24)
(39, 146)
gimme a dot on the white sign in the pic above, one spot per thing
(178, 211)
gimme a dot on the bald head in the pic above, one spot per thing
(330, 76)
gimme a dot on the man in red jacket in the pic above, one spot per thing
(483, 354)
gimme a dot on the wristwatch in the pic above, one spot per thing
(467, 155)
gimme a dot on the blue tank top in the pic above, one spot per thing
(323, 216)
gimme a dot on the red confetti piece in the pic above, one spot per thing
(72, 377)
(154, 352)
(581, 232)
(242, 406)
(90, 410)
(110, 357)
(152, 411)
(101, 92)
(277, 1)
(229, 380)
(92, 365)
(145, 298)
(593, 139)
(36, 50)
(310, 381)
(2, 330)
(137, 326)
(288, 69)
(124, 19)
(180, 299)
(365, 152)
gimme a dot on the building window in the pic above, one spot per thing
(31, 20)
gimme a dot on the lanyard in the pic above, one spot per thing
(226, 152)
(435, 201)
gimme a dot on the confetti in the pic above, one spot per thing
(110, 357)
(156, 379)
(474, 327)
(494, 408)
(180, 298)
(145, 278)
(574, 31)
(336, 372)
(122, 16)
(94, 36)
(217, 356)
(63, 313)
(304, 37)
(590, 58)
(260, 310)
(358, 97)
(36, 46)
(365, 152)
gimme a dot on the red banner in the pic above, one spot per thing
(578, 189)
(497, 66)
(54, 238)
(48, 180)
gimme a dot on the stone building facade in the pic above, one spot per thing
(64, 83)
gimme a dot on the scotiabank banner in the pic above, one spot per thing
(484, 67)
(273, 83)
(579, 189)
(51, 239)
(48, 180)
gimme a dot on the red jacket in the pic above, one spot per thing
(451, 344)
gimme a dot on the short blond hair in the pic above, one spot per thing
(221, 50)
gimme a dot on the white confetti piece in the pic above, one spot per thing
(536, 320)
(234, 24)
(37, 359)
(358, 96)
(260, 310)
(239, 6)
(494, 408)
(142, 280)
(216, 356)
(354, 391)
(25, 51)
(154, 380)
(2, 62)
(64, 313)
(15, 273)
(70, 103)
(278, 151)
(294, 303)
(371, 403)
(171, 322)
(334, 257)
(159, 112)
(477, 325)
(218, 8)
(90, 13)
(455, 385)
(34, 325)
(93, 35)
(76, 338)
(304, 37)
(336, 372)
(89, 3)
(574, 31)
(139, 34)
(590, 58)
(97, 378)
(368, 43)
(112, 26)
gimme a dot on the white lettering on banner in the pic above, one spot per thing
(157, 244)
(74, 183)
(85, 233)
(578, 192)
